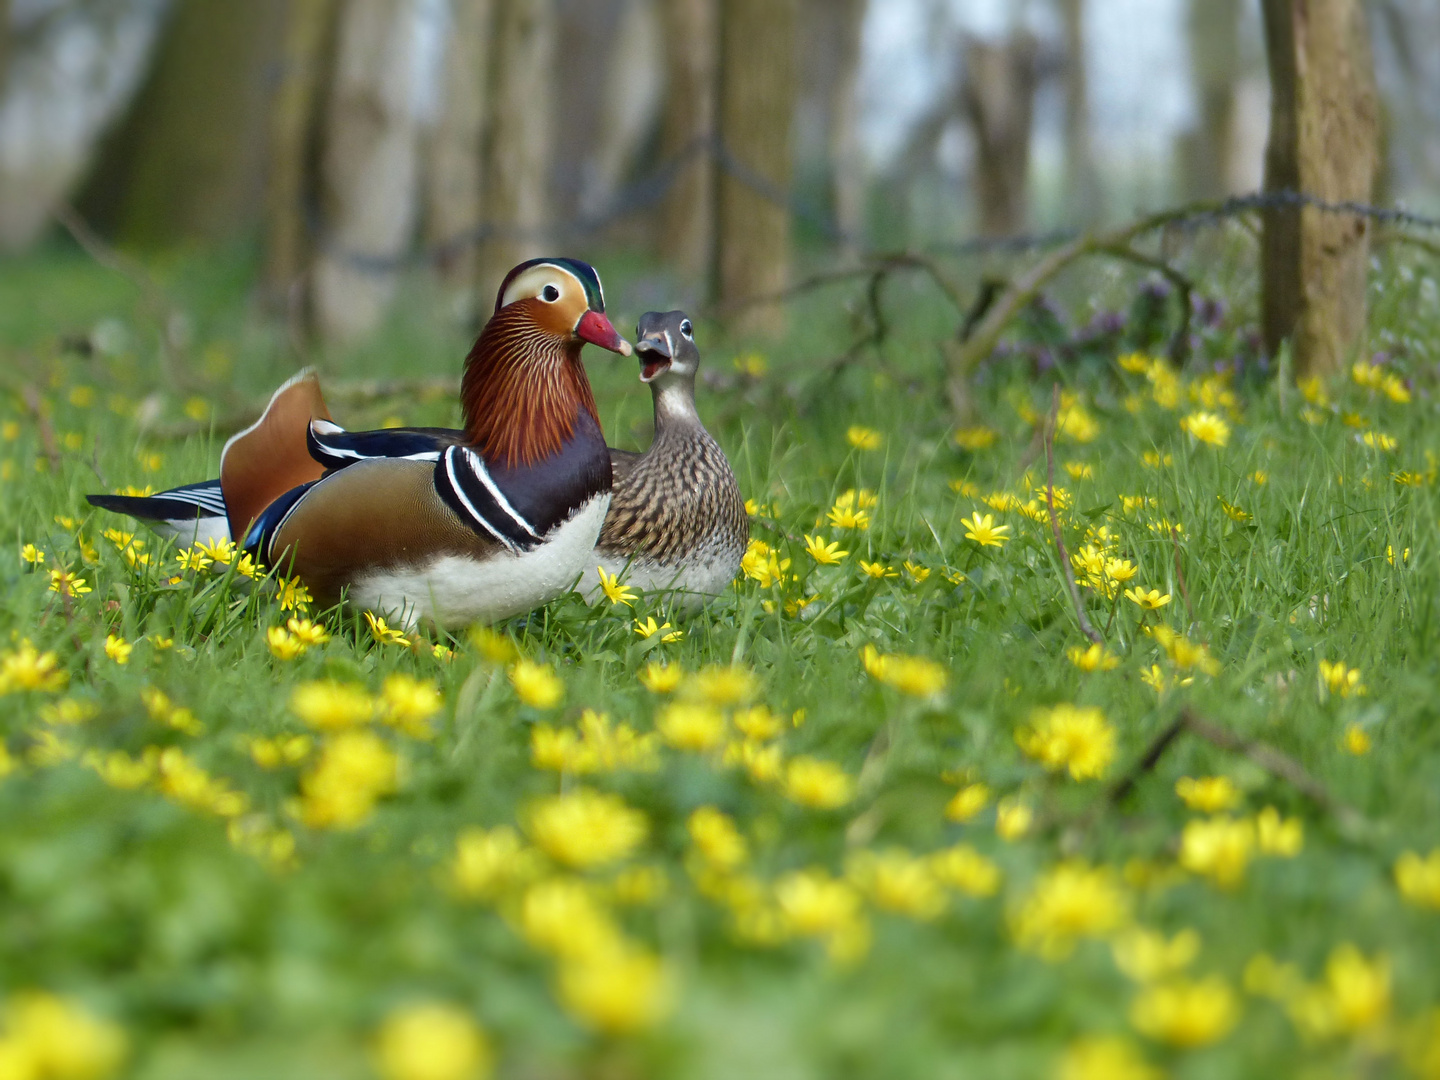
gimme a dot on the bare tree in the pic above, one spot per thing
(1323, 142)
(1207, 150)
(369, 167)
(756, 108)
(292, 192)
(998, 93)
(188, 163)
(690, 30)
(517, 142)
(1082, 185)
(454, 184)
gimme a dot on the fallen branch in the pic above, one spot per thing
(1275, 762)
(1050, 421)
(1184, 289)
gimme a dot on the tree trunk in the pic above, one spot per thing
(1323, 143)
(1082, 186)
(847, 158)
(517, 143)
(691, 32)
(998, 94)
(453, 196)
(630, 98)
(292, 193)
(587, 35)
(4, 43)
(1207, 150)
(369, 168)
(758, 86)
(188, 163)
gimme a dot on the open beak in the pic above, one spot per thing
(655, 355)
(595, 328)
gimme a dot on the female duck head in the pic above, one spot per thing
(665, 344)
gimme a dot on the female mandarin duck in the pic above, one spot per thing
(677, 521)
(430, 524)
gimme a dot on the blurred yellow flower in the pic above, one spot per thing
(407, 704)
(618, 991)
(489, 861)
(536, 684)
(1208, 794)
(649, 628)
(691, 725)
(821, 785)
(1218, 848)
(118, 649)
(894, 880)
(26, 668)
(383, 632)
(660, 678)
(721, 684)
(1013, 818)
(1073, 737)
(67, 584)
(49, 1038)
(585, 828)
(914, 675)
(1184, 1013)
(964, 869)
(1148, 956)
(283, 644)
(1341, 681)
(967, 802)
(877, 569)
(32, 555)
(716, 838)
(974, 438)
(1069, 901)
(328, 705)
(1356, 740)
(1206, 427)
(1105, 1057)
(864, 438)
(1151, 600)
(432, 1041)
(1095, 658)
(1277, 836)
(1418, 878)
(307, 632)
(355, 769)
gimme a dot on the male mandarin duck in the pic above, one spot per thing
(432, 524)
(677, 521)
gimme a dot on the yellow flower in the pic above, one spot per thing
(1276, 836)
(984, 531)
(536, 684)
(1148, 601)
(586, 829)
(617, 991)
(26, 668)
(1095, 658)
(613, 590)
(432, 1041)
(1218, 848)
(877, 569)
(1147, 956)
(68, 584)
(814, 904)
(721, 685)
(660, 678)
(382, 632)
(821, 785)
(1234, 513)
(762, 564)
(1208, 794)
(32, 555)
(330, 706)
(1073, 737)
(1079, 470)
(1359, 989)
(1378, 440)
(898, 882)
(916, 571)
(564, 916)
(292, 594)
(489, 861)
(307, 632)
(354, 770)
(220, 549)
(1186, 1013)
(757, 723)
(751, 364)
(1418, 878)
(863, 438)
(1013, 819)
(1138, 363)
(283, 644)
(914, 675)
(1356, 740)
(1071, 900)
(689, 725)
(48, 1037)
(281, 750)
(975, 438)
(847, 517)
(823, 553)
(118, 649)
(68, 712)
(964, 869)
(192, 559)
(1340, 680)
(967, 802)
(245, 566)
(1107, 1057)
(1206, 427)
(649, 629)
(408, 703)
(716, 839)
(495, 647)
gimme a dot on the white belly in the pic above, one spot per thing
(453, 591)
(691, 585)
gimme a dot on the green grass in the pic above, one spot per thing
(138, 905)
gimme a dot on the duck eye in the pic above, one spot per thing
(686, 330)
(550, 294)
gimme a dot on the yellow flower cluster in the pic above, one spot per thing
(432, 1041)
(596, 746)
(180, 779)
(355, 769)
(27, 668)
(1070, 901)
(44, 1037)
(1352, 998)
(1072, 737)
(762, 563)
(913, 675)
(1220, 848)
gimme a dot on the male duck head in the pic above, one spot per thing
(665, 344)
(524, 387)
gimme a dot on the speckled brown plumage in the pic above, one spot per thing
(676, 518)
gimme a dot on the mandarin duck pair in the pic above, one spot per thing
(451, 527)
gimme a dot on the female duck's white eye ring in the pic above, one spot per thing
(686, 330)
(550, 294)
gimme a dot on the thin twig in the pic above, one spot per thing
(1050, 421)
(1153, 753)
(1180, 576)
